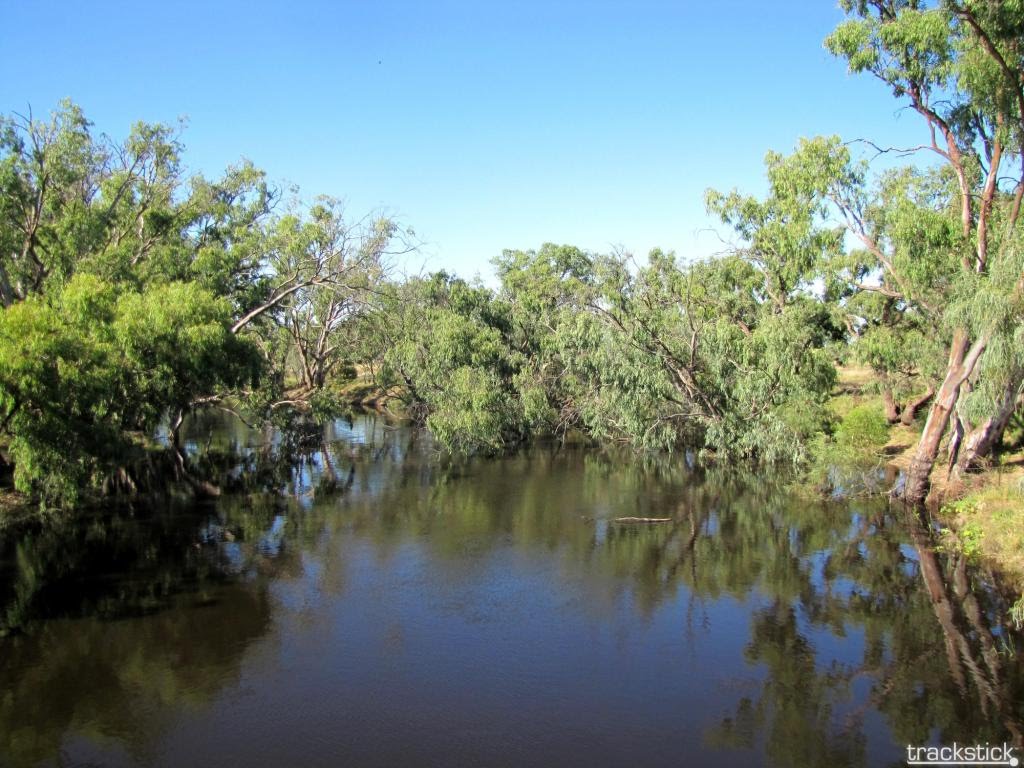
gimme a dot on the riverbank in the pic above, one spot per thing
(984, 516)
(988, 519)
(364, 392)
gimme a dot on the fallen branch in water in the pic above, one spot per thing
(642, 520)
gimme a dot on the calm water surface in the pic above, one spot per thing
(357, 599)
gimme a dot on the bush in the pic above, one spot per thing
(863, 431)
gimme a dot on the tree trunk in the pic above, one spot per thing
(317, 375)
(176, 428)
(956, 438)
(892, 411)
(981, 440)
(911, 408)
(7, 295)
(961, 363)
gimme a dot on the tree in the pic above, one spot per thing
(901, 351)
(131, 293)
(119, 285)
(325, 272)
(450, 352)
(84, 371)
(548, 292)
(665, 355)
(960, 66)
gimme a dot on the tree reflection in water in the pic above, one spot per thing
(860, 635)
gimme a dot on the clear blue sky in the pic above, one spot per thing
(484, 125)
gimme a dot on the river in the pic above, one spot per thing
(354, 597)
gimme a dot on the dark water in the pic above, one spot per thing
(360, 600)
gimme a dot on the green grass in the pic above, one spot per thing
(991, 515)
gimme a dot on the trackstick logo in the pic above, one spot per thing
(963, 754)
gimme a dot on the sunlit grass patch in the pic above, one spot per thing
(995, 510)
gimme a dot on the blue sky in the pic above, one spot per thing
(483, 125)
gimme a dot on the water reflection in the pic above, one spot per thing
(352, 596)
(119, 685)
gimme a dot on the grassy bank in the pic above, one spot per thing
(984, 517)
(988, 519)
(364, 392)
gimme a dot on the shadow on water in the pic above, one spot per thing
(354, 596)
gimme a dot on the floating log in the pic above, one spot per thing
(642, 520)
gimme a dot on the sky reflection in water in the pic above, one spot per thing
(358, 599)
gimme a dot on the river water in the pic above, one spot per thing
(355, 598)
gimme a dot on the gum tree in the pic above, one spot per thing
(326, 271)
(960, 66)
(119, 283)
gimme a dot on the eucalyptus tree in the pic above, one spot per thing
(86, 373)
(120, 280)
(548, 292)
(325, 272)
(735, 350)
(667, 355)
(734, 374)
(902, 350)
(450, 353)
(69, 198)
(960, 66)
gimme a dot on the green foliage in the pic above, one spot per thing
(176, 339)
(862, 431)
(131, 292)
(82, 370)
(57, 389)
(660, 356)
(960, 507)
(966, 541)
(848, 459)
(329, 271)
(119, 283)
(472, 412)
(904, 44)
(451, 354)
